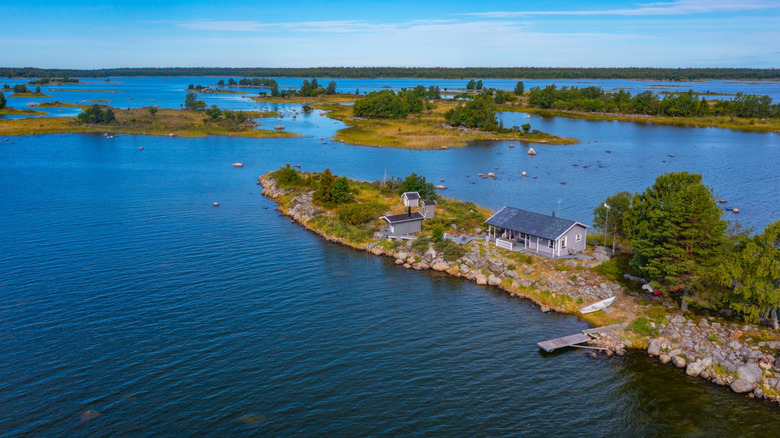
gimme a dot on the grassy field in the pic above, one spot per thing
(20, 112)
(423, 131)
(181, 123)
(29, 94)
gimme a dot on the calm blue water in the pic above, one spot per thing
(127, 293)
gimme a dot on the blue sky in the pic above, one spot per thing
(105, 34)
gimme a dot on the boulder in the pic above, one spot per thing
(481, 279)
(602, 253)
(511, 274)
(749, 372)
(678, 361)
(493, 280)
(496, 267)
(695, 368)
(655, 347)
(429, 255)
(440, 265)
(740, 386)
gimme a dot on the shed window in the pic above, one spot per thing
(578, 238)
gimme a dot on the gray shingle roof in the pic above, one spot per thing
(411, 195)
(429, 203)
(528, 222)
(396, 218)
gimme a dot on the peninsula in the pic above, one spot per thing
(721, 350)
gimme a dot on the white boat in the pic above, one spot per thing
(597, 306)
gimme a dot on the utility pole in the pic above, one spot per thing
(606, 224)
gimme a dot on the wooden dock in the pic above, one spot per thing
(578, 338)
(566, 341)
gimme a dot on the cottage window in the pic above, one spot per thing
(578, 238)
(563, 242)
(550, 243)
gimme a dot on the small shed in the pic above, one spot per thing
(552, 236)
(406, 223)
(429, 209)
(411, 199)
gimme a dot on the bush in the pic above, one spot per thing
(421, 243)
(96, 114)
(511, 267)
(356, 214)
(381, 104)
(453, 251)
(437, 233)
(529, 260)
(287, 175)
(441, 245)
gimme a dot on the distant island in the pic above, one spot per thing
(660, 74)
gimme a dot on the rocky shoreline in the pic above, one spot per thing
(723, 352)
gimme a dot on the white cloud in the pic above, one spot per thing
(677, 7)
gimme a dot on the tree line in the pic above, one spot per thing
(682, 245)
(665, 74)
(687, 103)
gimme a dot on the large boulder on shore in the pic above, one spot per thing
(750, 372)
(429, 255)
(481, 279)
(694, 368)
(440, 265)
(655, 347)
(741, 386)
(493, 280)
(678, 361)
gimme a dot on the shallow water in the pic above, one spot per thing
(128, 294)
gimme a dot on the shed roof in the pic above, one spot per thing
(528, 222)
(411, 195)
(429, 203)
(404, 217)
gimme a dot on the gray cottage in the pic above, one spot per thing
(403, 224)
(526, 231)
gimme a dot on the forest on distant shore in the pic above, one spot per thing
(665, 74)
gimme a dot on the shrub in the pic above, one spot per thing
(287, 175)
(437, 233)
(356, 214)
(561, 268)
(453, 251)
(511, 267)
(529, 260)
(96, 114)
(421, 243)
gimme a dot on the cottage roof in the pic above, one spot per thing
(404, 217)
(528, 222)
(428, 202)
(411, 195)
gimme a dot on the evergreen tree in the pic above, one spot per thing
(324, 192)
(471, 85)
(3, 102)
(679, 236)
(519, 88)
(331, 88)
(751, 273)
(341, 192)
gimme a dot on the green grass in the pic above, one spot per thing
(641, 326)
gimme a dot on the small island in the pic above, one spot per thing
(451, 240)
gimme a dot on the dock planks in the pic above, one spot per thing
(566, 341)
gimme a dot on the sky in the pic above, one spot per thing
(268, 33)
